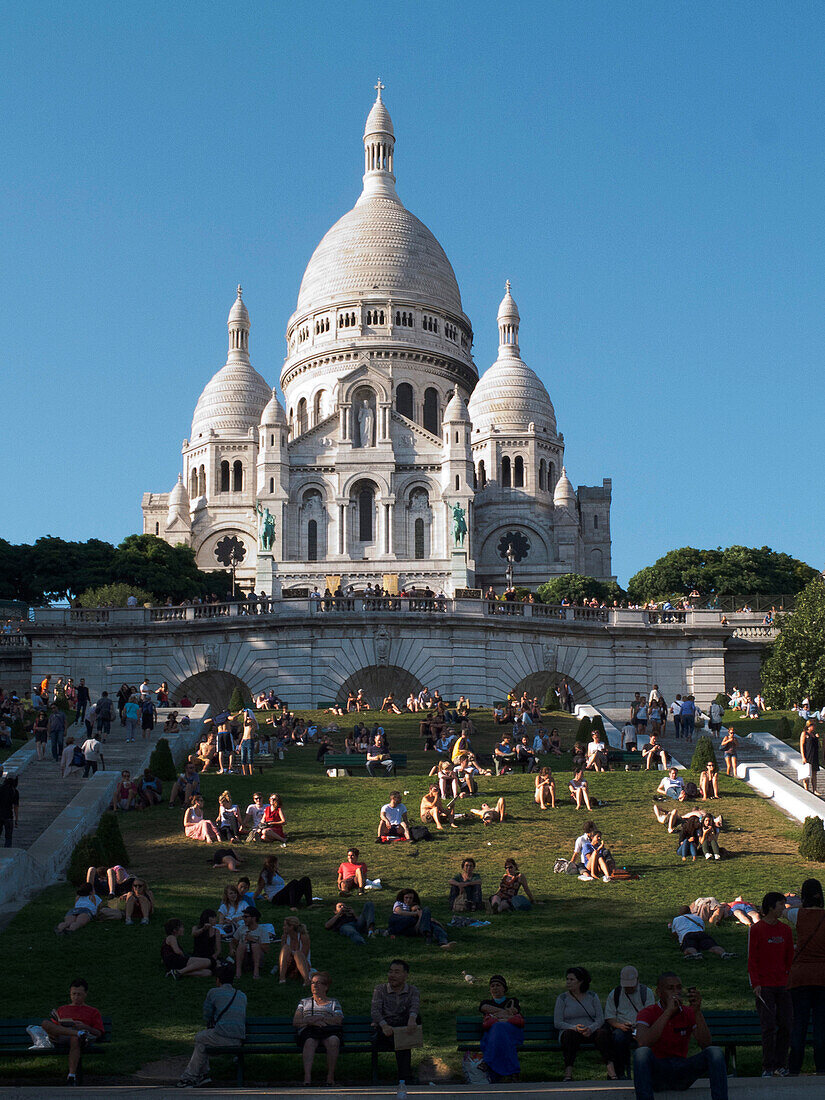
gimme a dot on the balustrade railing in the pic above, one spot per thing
(14, 641)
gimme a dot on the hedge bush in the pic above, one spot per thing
(597, 723)
(585, 728)
(812, 843)
(110, 839)
(236, 700)
(703, 753)
(162, 763)
(551, 700)
(88, 852)
(783, 729)
(722, 699)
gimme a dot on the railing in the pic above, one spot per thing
(263, 609)
(14, 641)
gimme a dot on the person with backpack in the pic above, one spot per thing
(148, 714)
(104, 709)
(620, 1010)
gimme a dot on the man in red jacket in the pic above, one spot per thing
(770, 954)
(71, 1026)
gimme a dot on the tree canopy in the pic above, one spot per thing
(795, 665)
(576, 588)
(736, 571)
(54, 569)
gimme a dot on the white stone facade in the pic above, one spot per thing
(387, 428)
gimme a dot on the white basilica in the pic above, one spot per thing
(389, 439)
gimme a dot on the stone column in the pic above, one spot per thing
(390, 539)
(342, 527)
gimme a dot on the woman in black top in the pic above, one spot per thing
(206, 938)
(809, 751)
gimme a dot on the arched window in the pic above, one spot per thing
(457, 482)
(302, 416)
(518, 472)
(431, 411)
(419, 539)
(404, 400)
(505, 472)
(202, 481)
(595, 523)
(272, 485)
(272, 440)
(318, 407)
(312, 540)
(551, 477)
(193, 484)
(542, 474)
(224, 477)
(366, 508)
(157, 532)
(482, 475)
(237, 477)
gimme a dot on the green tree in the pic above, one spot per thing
(113, 595)
(795, 665)
(737, 571)
(150, 563)
(702, 755)
(577, 588)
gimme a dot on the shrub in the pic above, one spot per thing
(236, 700)
(597, 723)
(551, 700)
(110, 839)
(161, 762)
(783, 729)
(88, 852)
(585, 728)
(114, 595)
(702, 754)
(722, 699)
(812, 843)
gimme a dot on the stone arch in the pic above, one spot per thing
(377, 681)
(537, 684)
(368, 379)
(213, 686)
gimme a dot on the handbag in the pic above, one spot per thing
(406, 1039)
(460, 904)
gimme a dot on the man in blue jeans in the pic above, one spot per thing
(345, 922)
(663, 1032)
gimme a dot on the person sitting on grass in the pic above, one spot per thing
(85, 908)
(687, 834)
(672, 786)
(393, 819)
(492, 815)
(72, 1025)
(432, 809)
(654, 754)
(525, 757)
(352, 873)
(139, 900)
(577, 857)
(544, 794)
(177, 963)
(466, 885)
(186, 786)
(389, 704)
(507, 897)
(126, 793)
(251, 943)
(663, 1032)
(150, 789)
(577, 1017)
(277, 891)
(319, 1021)
(689, 930)
(409, 918)
(224, 1011)
(728, 747)
(502, 1032)
(448, 782)
(273, 821)
(206, 938)
(709, 782)
(578, 789)
(294, 959)
(504, 755)
(596, 753)
(196, 826)
(346, 922)
(228, 821)
(597, 860)
(554, 742)
(707, 838)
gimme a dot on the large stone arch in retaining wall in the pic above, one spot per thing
(213, 686)
(377, 681)
(537, 684)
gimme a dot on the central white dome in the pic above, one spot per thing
(379, 248)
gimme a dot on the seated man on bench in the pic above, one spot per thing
(72, 1026)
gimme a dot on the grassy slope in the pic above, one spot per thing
(593, 924)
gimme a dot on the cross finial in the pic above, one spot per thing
(240, 291)
(507, 284)
(379, 87)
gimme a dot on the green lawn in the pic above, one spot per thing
(769, 722)
(601, 926)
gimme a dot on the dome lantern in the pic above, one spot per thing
(379, 150)
(508, 323)
(238, 325)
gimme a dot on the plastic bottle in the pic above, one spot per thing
(401, 1091)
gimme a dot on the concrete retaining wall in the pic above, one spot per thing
(788, 796)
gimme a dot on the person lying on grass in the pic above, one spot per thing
(673, 818)
(410, 918)
(85, 909)
(492, 815)
(689, 929)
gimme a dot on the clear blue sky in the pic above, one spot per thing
(649, 176)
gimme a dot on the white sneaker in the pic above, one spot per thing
(605, 878)
(585, 877)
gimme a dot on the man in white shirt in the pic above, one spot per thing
(393, 820)
(629, 737)
(255, 811)
(654, 696)
(93, 755)
(689, 930)
(676, 711)
(620, 1010)
(252, 940)
(145, 691)
(672, 786)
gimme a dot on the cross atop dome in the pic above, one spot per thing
(240, 291)
(379, 87)
(379, 150)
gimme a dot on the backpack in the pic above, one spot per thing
(565, 867)
(617, 992)
(78, 759)
(691, 790)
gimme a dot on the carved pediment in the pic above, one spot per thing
(401, 425)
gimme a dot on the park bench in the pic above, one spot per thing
(15, 1042)
(348, 761)
(623, 758)
(276, 1035)
(539, 1034)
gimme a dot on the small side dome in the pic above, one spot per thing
(179, 498)
(456, 410)
(564, 495)
(273, 415)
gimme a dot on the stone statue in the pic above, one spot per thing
(266, 527)
(366, 421)
(459, 524)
